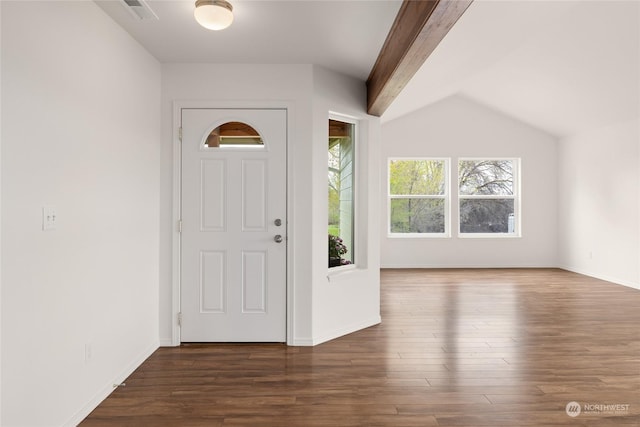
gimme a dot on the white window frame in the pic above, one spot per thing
(516, 196)
(446, 197)
(355, 245)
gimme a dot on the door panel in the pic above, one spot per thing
(253, 284)
(254, 195)
(212, 195)
(212, 282)
(233, 271)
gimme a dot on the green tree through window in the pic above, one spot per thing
(418, 196)
(341, 161)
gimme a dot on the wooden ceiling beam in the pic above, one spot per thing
(417, 30)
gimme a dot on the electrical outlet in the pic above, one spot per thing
(49, 218)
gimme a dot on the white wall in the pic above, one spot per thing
(243, 85)
(81, 128)
(599, 203)
(0, 218)
(312, 306)
(345, 299)
(457, 127)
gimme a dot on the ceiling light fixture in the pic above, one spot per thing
(213, 14)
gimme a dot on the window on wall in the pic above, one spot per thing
(418, 197)
(341, 169)
(234, 134)
(488, 193)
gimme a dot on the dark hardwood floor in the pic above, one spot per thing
(456, 348)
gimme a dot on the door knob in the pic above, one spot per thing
(277, 238)
(278, 222)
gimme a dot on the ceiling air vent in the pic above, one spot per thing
(140, 10)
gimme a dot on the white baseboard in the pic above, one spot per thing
(108, 388)
(337, 333)
(606, 278)
(301, 342)
(167, 342)
(461, 266)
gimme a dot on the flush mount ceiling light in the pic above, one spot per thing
(213, 14)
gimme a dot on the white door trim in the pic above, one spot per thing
(178, 105)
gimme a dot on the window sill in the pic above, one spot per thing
(489, 236)
(418, 236)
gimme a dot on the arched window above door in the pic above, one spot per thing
(234, 134)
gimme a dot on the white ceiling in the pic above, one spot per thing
(563, 66)
(345, 36)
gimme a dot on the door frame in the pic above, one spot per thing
(178, 106)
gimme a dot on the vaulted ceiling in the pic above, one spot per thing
(562, 66)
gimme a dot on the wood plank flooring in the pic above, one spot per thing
(456, 348)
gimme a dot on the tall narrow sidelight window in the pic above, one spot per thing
(489, 197)
(341, 167)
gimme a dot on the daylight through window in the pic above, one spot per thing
(341, 168)
(488, 196)
(418, 197)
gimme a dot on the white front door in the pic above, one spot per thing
(234, 228)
